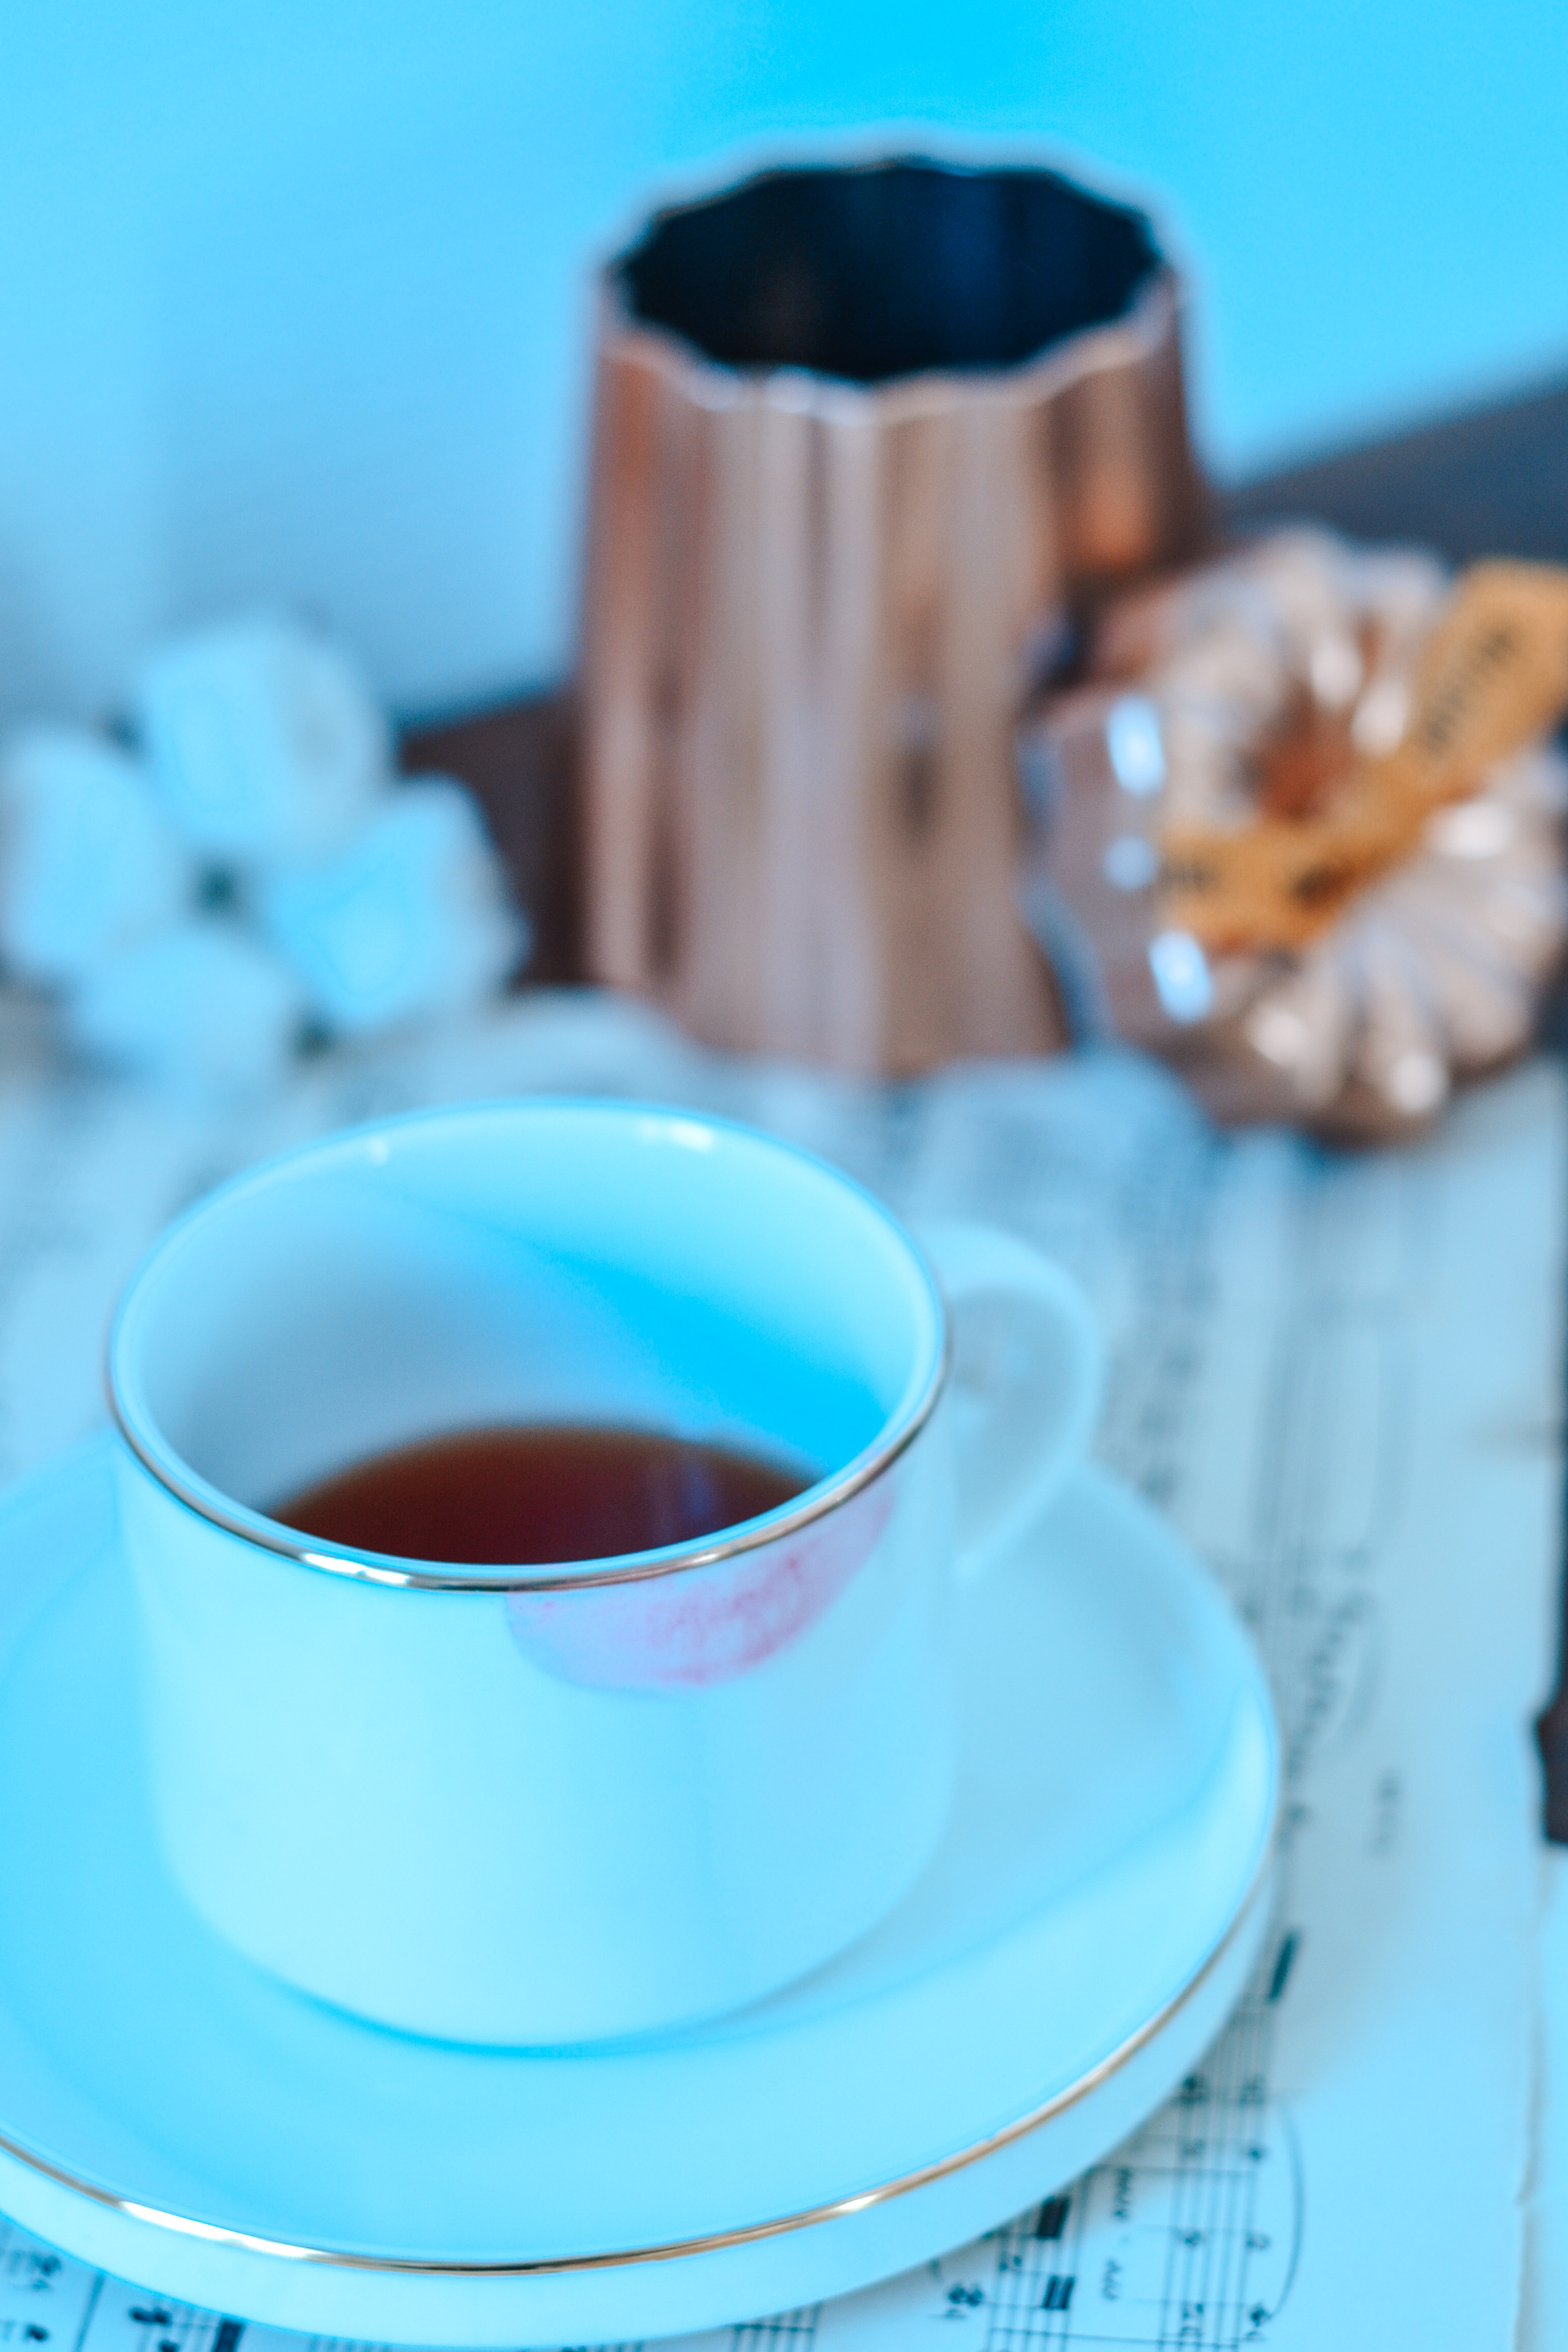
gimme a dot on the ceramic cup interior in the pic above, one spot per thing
(566, 1263)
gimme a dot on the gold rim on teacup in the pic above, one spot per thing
(632, 1568)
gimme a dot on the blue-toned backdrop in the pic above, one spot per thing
(291, 291)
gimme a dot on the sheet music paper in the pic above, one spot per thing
(1339, 1379)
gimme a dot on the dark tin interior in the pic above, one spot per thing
(888, 269)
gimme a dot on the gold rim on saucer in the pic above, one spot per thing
(838, 2209)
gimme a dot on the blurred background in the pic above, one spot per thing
(296, 296)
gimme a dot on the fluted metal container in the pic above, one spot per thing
(864, 440)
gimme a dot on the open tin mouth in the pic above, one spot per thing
(897, 268)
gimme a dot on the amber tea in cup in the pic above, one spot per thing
(539, 1492)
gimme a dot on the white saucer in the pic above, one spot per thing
(168, 2113)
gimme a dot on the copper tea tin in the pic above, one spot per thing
(865, 438)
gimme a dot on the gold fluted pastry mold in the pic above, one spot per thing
(1299, 830)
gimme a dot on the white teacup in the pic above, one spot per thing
(536, 1805)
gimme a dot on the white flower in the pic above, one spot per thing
(412, 919)
(264, 744)
(88, 862)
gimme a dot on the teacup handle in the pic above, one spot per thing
(1025, 1384)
